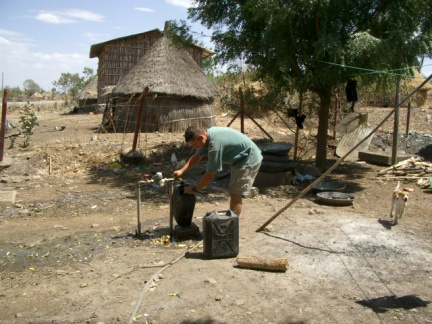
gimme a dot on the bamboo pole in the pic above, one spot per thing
(304, 191)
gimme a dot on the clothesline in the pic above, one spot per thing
(371, 71)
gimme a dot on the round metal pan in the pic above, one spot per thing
(335, 198)
(275, 148)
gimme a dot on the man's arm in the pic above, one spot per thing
(193, 161)
(204, 182)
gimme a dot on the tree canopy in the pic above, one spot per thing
(72, 84)
(30, 87)
(316, 45)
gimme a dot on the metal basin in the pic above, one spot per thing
(329, 186)
(275, 148)
(336, 198)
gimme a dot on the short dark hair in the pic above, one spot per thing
(192, 132)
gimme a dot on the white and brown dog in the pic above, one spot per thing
(399, 202)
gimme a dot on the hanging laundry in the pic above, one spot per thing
(351, 91)
(299, 119)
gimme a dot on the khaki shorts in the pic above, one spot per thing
(242, 180)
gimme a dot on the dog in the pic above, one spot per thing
(398, 203)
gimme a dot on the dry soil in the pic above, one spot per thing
(69, 253)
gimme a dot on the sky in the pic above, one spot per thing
(41, 39)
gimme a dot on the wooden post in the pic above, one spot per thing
(138, 118)
(229, 124)
(259, 126)
(241, 110)
(296, 142)
(336, 108)
(3, 123)
(408, 118)
(396, 123)
(242, 113)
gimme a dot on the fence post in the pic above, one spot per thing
(3, 123)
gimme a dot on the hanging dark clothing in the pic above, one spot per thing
(351, 91)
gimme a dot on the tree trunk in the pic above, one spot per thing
(323, 117)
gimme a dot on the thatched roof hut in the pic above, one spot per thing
(421, 97)
(179, 94)
(36, 96)
(119, 55)
(88, 95)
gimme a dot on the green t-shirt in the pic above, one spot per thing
(228, 146)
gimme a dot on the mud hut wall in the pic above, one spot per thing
(175, 114)
(196, 54)
(163, 114)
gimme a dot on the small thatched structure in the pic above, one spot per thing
(88, 95)
(36, 96)
(421, 96)
(179, 94)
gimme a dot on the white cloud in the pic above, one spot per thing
(4, 41)
(68, 16)
(83, 15)
(144, 9)
(51, 18)
(9, 33)
(180, 3)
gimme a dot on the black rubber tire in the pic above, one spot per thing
(276, 158)
(273, 167)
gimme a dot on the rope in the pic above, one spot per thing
(390, 72)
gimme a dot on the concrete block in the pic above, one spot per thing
(7, 197)
(382, 158)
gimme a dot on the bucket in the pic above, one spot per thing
(183, 206)
(221, 234)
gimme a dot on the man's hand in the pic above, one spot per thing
(177, 174)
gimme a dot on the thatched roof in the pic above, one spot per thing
(417, 80)
(89, 91)
(168, 70)
(96, 49)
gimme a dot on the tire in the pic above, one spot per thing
(276, 158)
(273, 167)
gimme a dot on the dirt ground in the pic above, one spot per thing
(69, 253)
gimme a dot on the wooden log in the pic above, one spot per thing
(403, 177)
(262, 264)
(403, 163)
